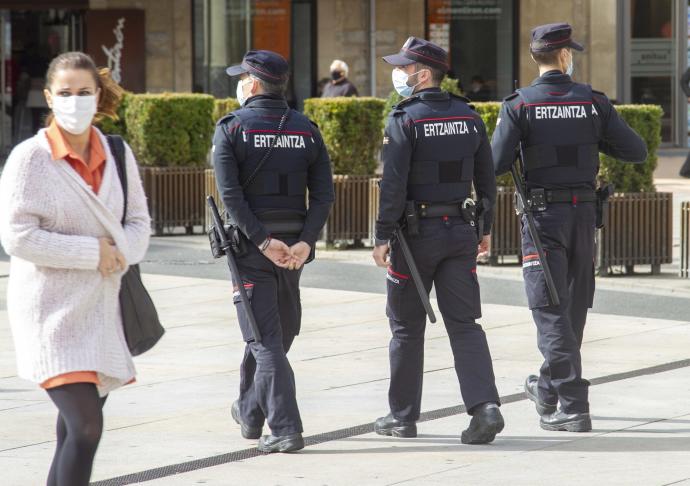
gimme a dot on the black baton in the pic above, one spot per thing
(232, 264)
(416, 278)
(519, 188)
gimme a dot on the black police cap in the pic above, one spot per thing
(266, 65)
(550, 37)
(421, 51)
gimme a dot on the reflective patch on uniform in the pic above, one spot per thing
(396, 277)
(249, 287)
(386, 140)
(531, 260)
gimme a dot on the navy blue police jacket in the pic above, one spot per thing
(435, 147)
(561, 126)
(299, 164)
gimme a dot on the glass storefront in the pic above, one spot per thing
(225, 29)
(479, 36)
(652, 58)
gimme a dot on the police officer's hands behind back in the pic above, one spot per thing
(299, 253)
(278, 252)
(381, 255)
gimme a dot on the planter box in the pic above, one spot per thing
(685, 239)
(639, 231)
(175, 197)
(350, 216)
(505, 235)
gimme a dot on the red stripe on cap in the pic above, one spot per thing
(425, 57)
(264, 72)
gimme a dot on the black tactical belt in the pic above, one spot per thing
(426, 210)
(570, 195)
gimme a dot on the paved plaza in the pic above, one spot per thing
(173, 426)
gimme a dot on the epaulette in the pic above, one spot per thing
(461, 98)
(226, 118)
(511, 96)
(406, 101)
(594, 91)
(313, 123)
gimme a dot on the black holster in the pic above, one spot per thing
(603, 195)
(411, 218)
(238, 243)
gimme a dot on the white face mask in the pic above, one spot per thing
(400, 79)
(241, 99)
(74, 113)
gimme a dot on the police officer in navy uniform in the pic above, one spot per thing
(435, 147)
(279, 230)
(560, 127)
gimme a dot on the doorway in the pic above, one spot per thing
(29, 39)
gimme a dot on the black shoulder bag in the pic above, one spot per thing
(235, 237)
(139, 316)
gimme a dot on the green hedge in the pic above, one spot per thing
(351, 129)
(223, 106)
(170, 129)
(646, 121)
(117, 127)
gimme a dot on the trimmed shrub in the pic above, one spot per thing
(223, 106)
(626, 177)
(170, 129)
(489, 111)
(117, 127)
(351, 129)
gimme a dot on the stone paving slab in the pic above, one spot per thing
(179, 408)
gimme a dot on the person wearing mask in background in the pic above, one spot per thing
(339, 84)
(61, 207)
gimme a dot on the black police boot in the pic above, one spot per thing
(532, 393)
(248, 432)
(389, 425)
(569, 422)
(283, 443)
(486, 422)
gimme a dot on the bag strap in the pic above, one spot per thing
(267, 154)
(117, 148)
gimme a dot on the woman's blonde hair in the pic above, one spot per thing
(111, 92)
(341, 66)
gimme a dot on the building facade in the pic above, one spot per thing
(636, 50)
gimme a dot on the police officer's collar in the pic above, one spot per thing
(266, 101)
(434, 93)
(552, 77)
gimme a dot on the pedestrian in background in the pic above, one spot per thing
(339, 84)
(61, 207)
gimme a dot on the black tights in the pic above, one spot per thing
(79, 427)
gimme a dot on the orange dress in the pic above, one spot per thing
(92, 173)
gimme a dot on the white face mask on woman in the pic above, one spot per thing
(74, 113)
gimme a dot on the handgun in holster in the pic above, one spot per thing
(603, 194)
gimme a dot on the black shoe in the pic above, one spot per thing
(283, 443)
(485, 424)
(569, 422)
(248, 432)
(389, 425)
(532, 393)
